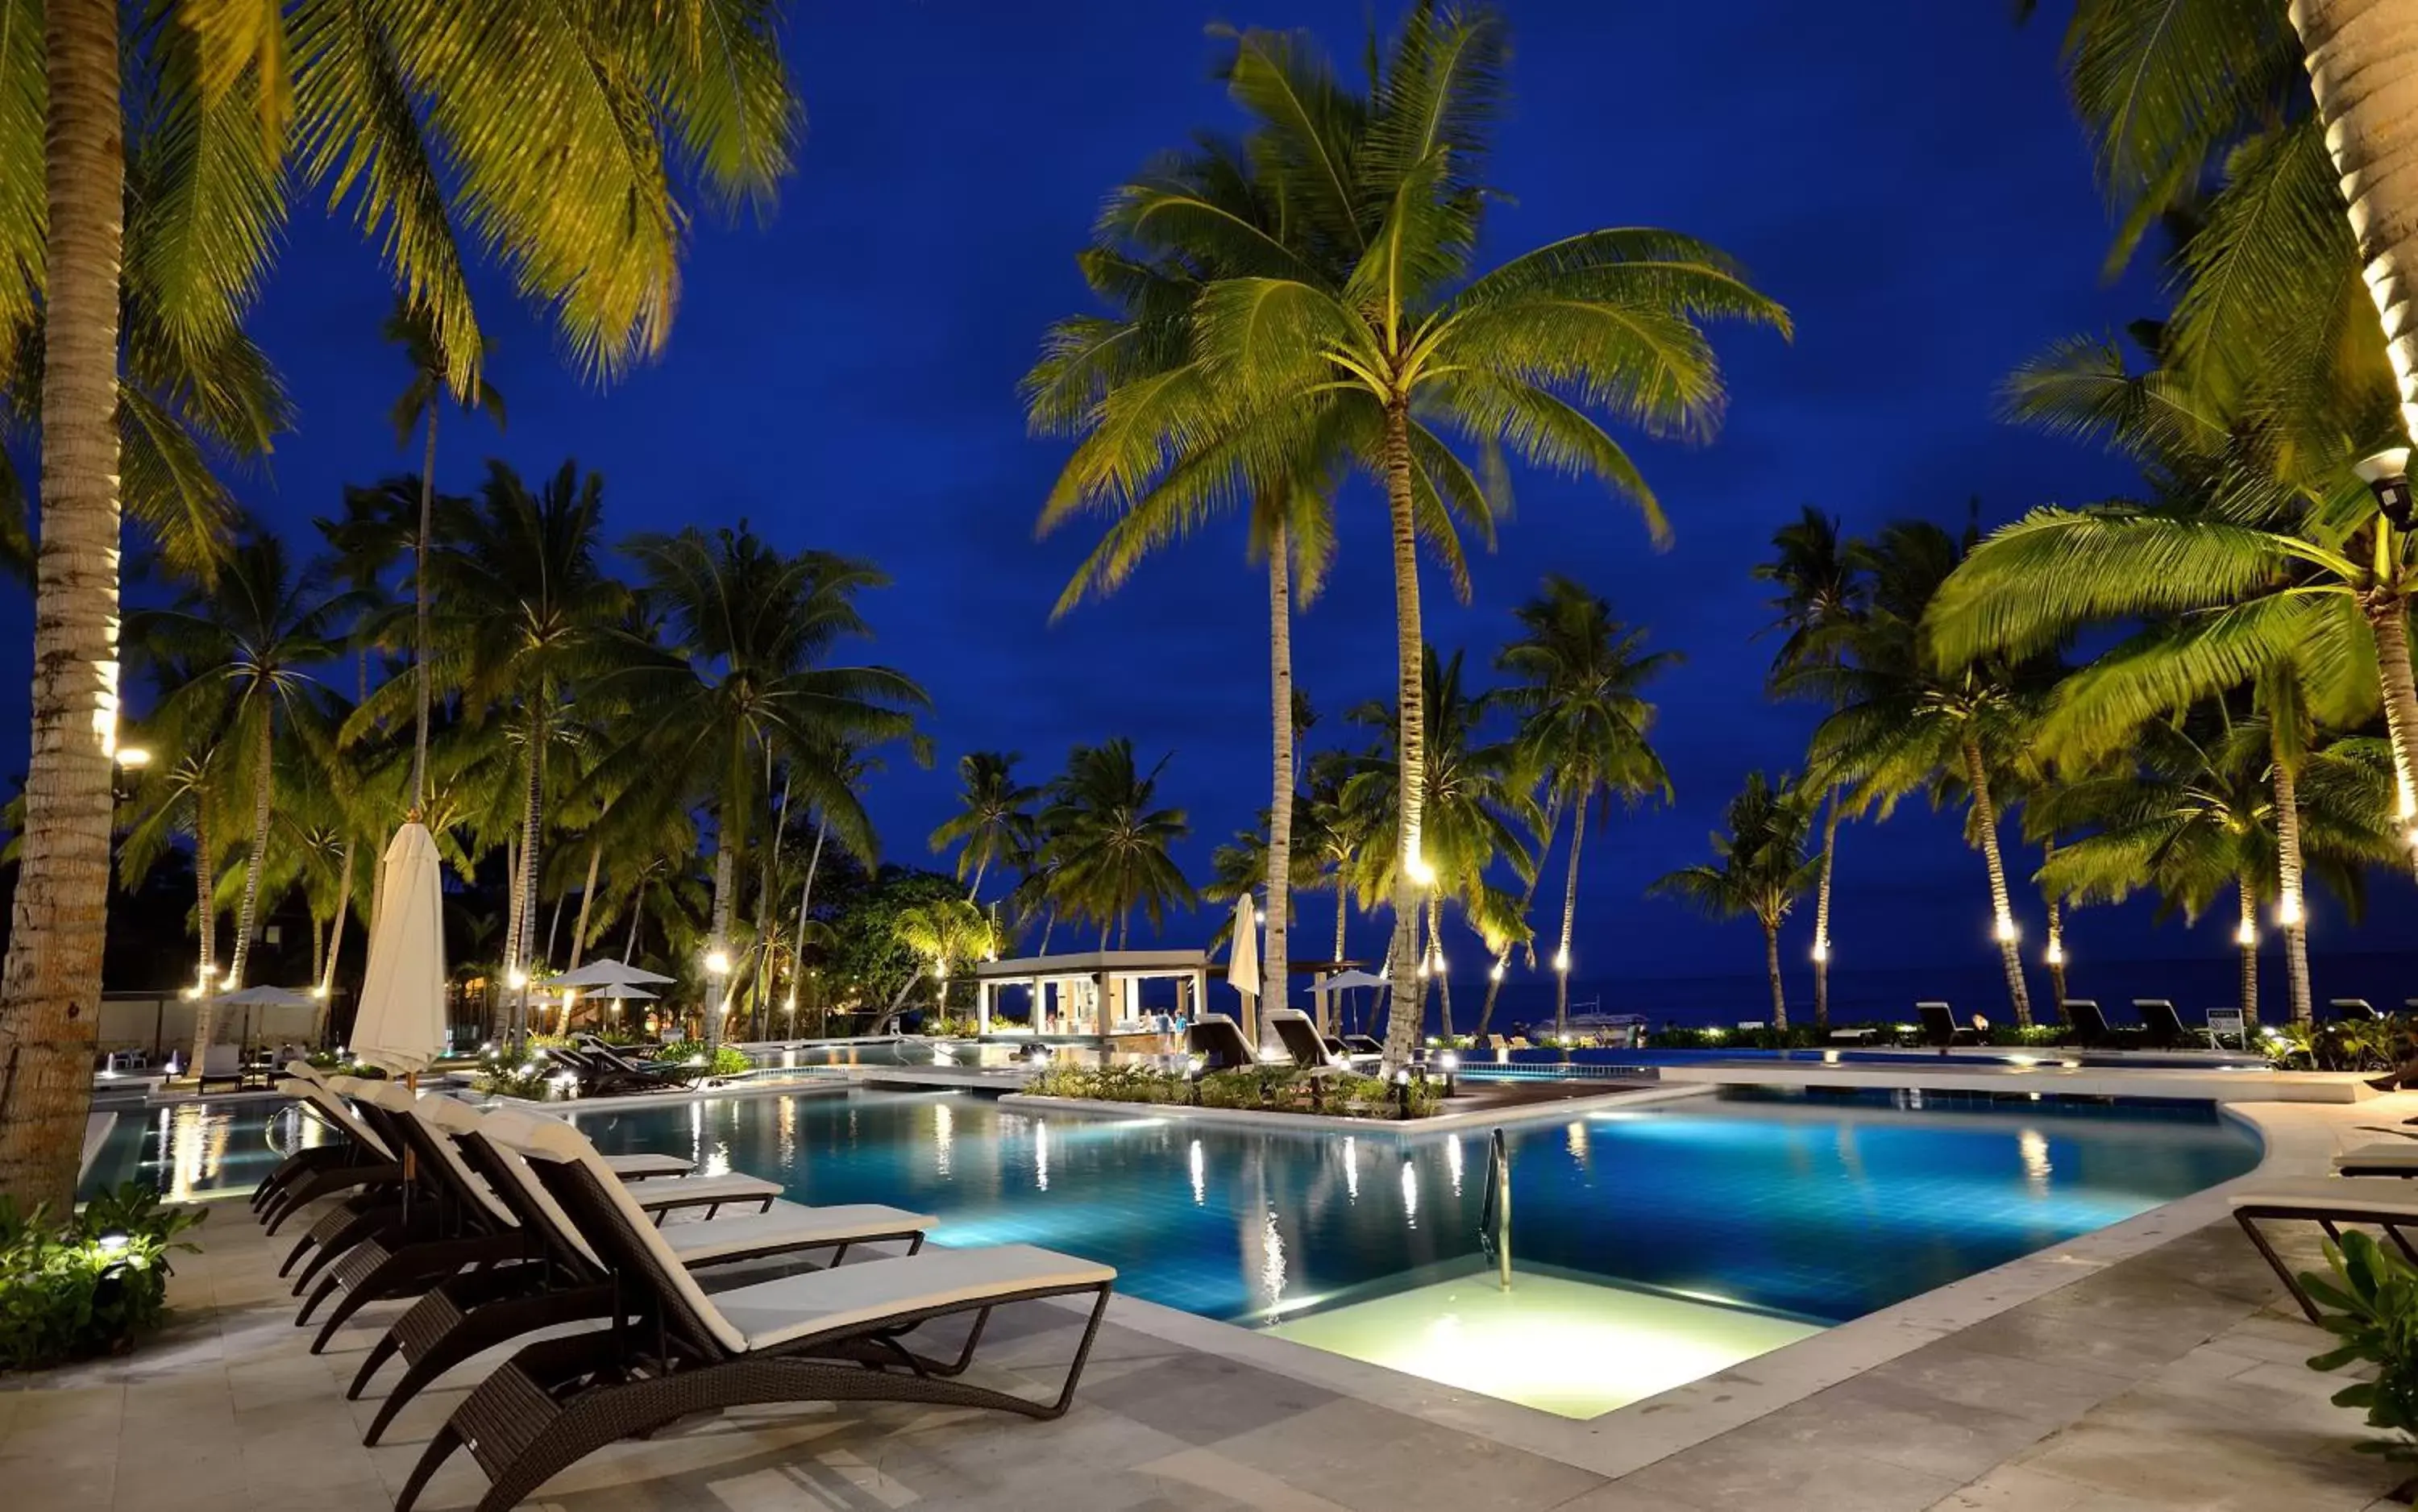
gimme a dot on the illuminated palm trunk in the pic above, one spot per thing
(2388, 616)
(1275, 970)
(50, 989)
(1527, 898)
(247, 911)
(2291, 906)
(1772, 965)
(1410, 645)
(1342, 916)
(586, 897)
(1822, 913)
(1985, 818)
(2362, 63)
(2246, 938)
(206, 913)
(1569, 914)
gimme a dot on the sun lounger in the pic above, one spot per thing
(221, 1064)
(2386, 1202)
(2396, 1158)
(353, 1158)
(2088, 1027)
(1939, 1026)
(2161, 1026)
(839, 1335)
(1360, 1045)
(466, 1315)
(2353, 1010)
(1218, 1041)
(1301, 1040)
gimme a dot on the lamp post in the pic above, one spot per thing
(2387, 476)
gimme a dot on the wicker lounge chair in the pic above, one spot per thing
(1301, 1040)
(469, 1314)
(839, 1335)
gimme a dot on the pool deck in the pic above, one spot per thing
(2151, 1364)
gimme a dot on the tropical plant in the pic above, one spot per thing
(994, 818)
(1111, 843)
(2371, 1297)
(746, 677)
(92, 1285)
(1408, 347)
(1900, 723)
(1759, 867)
(1477, 804)
(425, 121)
(1579, 675)
(247, 646)
(941, 933)
(1820, 600)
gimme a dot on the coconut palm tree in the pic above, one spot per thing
(1759, 867)
(1478, 808)
(945, 932)
(1108, 842)
(249, 642)
(422, 120)
(2200, 814)
(1820, 599)
(1900, 723)
(747, 674)
(1578, 673)
(994, 816)
(1410, 348)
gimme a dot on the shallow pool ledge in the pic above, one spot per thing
(1482, 1118)
(2048, 1079)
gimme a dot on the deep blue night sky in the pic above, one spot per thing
(1917, 192)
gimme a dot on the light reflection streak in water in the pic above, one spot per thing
(1272, 1267)
(1350, 1171)
(944, 1138)
(1200, 1176)
(1452, 1162)
(1578, 1140)
(1041, 1154)
(1410, 1194)
(2036, 1170)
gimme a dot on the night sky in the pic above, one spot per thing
(1916, 192)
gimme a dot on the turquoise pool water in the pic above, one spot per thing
(1819, 1209)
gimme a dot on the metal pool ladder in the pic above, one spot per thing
(1494, 1218)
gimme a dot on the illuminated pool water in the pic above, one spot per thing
(1817, 1210)
(1821, 1210)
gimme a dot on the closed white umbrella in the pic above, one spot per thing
(402, 1019)
(1243, 965)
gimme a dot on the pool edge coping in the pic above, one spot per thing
(1329, 1123)
(1631, 1438)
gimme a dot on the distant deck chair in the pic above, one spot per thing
(1301, 1040)
(1939, 1026)
(2353, 1010)
(1364, 1045)
(2161, 1026)
(2087, 1026)
(220, 1063)
(1219, 1043)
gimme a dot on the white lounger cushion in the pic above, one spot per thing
(2397, 1153)
(438, 1116)
(686, 1191)
(2385, 1196)
(771, 1313)
(640, 1166)
(325, 1099)
(789, 1225)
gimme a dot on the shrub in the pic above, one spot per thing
(92, 1286)
(497, 1079)
(2374, 1297)
(2352, 1044)
(727, 1060)
(1279, 1089)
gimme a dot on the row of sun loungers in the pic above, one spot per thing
(2373, 1187)
(500, 1225)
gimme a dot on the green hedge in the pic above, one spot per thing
(91, 1286)
(1273, 1089)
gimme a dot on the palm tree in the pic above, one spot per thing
(994, 816)
(1584, 724)
(414, 327)
(745, 676)
(1477, 805)
(1820, 600)
(1108, 842)
(247, 644)
(1166, 238)
(2201, 814)
(1408, 347)
(1759, 867)
(419, 122)
(940, 932)
(1900, 723)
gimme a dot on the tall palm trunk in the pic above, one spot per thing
(586, 897)
(1435, 953)
(264, 753)
(206, 909)
(2363, 62)
(1527, 900)
(1410, 649)
(2292, 906)
(726, 868)
(2246, 938)
(50, 989)
(521, 935)
(335, 946)
(1822, 911)
(761, 992)
(1569, 914)
(1275, 969)
(807, 894)
(2056, 951)
(1985, 818)
(1772, 965)
(2388, 616)
(630, 942)
(1342, 917)
(420, 617)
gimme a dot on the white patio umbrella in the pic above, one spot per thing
(250, 998)
(608, 972)
(1243, 965)
(402, 1018)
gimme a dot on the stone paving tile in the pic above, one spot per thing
(1371, 1458)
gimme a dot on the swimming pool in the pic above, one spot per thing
(1820, 1210)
